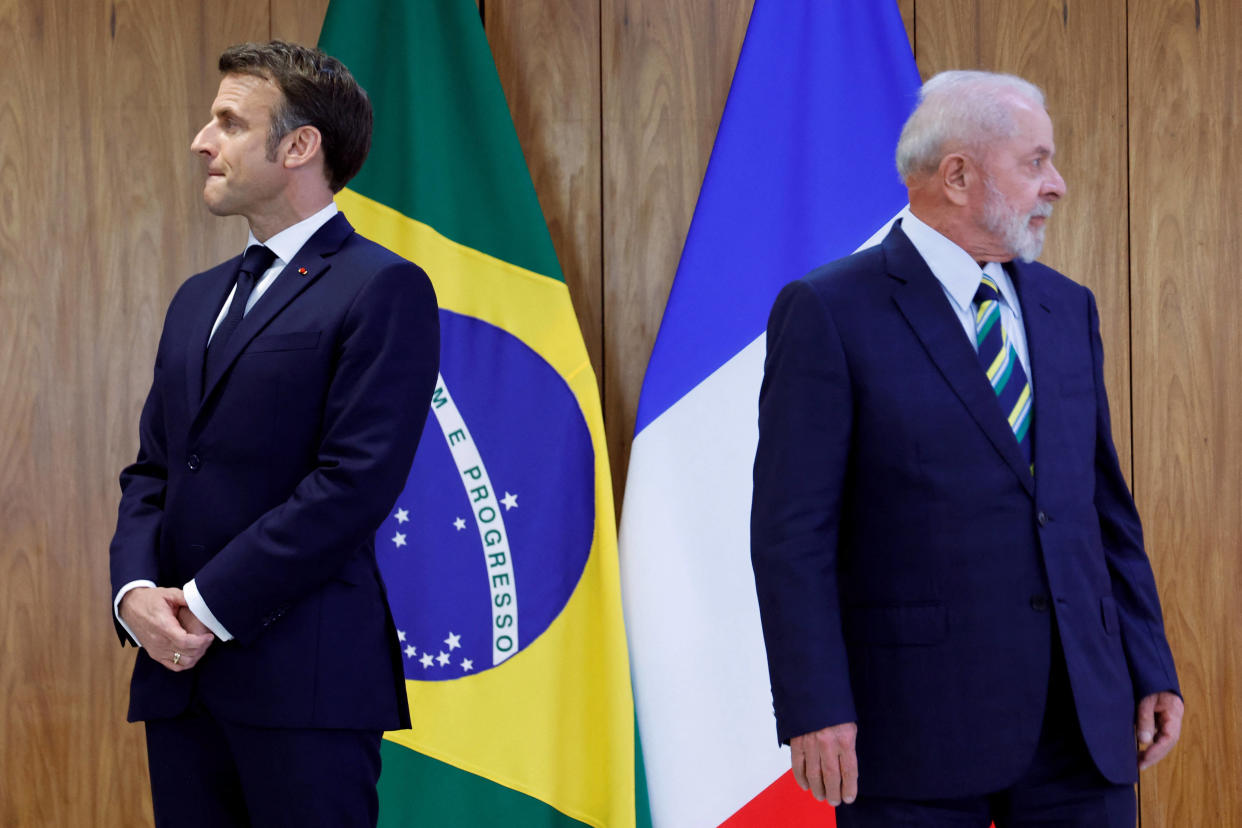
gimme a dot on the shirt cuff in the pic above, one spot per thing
(116, 605)
(198, 606)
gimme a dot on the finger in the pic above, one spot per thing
(830, 767)
(1145, 721)
(849, 774)
(1157, 751)
(187, 642)
(174, 661)
(798, 763)
(1170, 732)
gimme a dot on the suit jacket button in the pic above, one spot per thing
(1039, 603)
(1042, 517)
(193, 463)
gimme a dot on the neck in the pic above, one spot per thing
(955, 226)
(269, 224)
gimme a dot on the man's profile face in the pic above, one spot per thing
(241, 179)
(1020, 184)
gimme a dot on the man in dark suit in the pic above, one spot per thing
(290, 389)
(961, 621)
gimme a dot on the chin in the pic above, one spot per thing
(215, 205)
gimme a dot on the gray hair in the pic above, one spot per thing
(960, 108)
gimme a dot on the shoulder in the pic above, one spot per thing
(1050, 279)
(841, 282)
(1051, 287)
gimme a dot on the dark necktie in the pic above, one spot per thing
(1004, 369)
(253, 265)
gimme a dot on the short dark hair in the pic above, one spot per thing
(316, 90)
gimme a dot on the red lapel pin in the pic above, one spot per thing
(302, 271)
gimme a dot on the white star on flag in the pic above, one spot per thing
(401, 635)
(410, 651)
(399, 540)
(453, 641)
(510, 501)
(467, 664)
(443, 658)
(426, 660)
(459, 524)
(402, 515)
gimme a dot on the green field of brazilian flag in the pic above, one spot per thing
(501, 555)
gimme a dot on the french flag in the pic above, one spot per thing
(801, 173)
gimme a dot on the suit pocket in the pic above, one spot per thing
(897, 625)
(296, 341)
(1108, 614)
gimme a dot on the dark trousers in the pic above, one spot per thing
(212, 774)
(1061, 789)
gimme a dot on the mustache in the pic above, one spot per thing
(1042, 210)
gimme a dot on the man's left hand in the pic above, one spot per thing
(1159, 724)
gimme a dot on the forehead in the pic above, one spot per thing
(1033, 128)
(245, 94)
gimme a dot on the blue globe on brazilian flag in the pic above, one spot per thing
(501, 554)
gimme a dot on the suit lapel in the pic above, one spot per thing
(307, 266)
(921, 299)
(1038, 318)
(220, 282)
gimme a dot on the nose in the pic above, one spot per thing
(201, 143)
(1054, 184)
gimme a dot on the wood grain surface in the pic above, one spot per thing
(616, 103)
(1185, 98)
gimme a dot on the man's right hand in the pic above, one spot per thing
(824, 763)
(151, 612)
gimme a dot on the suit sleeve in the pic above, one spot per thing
(376, 404)
(1133, 585)
(800, 468)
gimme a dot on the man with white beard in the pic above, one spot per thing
(961, 622)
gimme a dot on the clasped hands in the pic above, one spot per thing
(825, 763)
(165, 627)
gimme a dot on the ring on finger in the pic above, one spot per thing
(176, 658)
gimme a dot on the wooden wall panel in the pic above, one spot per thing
(616, 103)
(553, 91)
(101, 219)
(298, 20)
(1185, 100)
(666, 74)
(1075, 52)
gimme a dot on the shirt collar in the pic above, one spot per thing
(289, 241)
(952, 266)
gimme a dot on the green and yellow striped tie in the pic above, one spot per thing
(1000, 362)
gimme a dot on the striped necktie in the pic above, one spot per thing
(1000, 362)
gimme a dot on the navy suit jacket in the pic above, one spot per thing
(266, 483)
(906, 560)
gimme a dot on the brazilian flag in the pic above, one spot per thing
(501, 554)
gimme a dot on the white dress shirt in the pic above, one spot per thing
(285, 245)
(959, 275)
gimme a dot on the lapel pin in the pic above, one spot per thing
(302, 271)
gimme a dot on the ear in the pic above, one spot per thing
(956, 174)
(302, 146)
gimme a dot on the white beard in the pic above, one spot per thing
(1014, 228)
